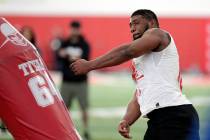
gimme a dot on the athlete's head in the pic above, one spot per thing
(141, 20)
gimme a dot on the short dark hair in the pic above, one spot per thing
(75, 24)
(148, 14)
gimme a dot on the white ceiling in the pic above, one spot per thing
(170, 8)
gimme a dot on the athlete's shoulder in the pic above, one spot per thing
(161, 35)
(156, 31)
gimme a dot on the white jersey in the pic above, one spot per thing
(158, 79)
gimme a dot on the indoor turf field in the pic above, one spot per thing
(109, 95)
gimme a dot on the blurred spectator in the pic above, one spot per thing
(55, 45)
(75, 47)
(29, 34)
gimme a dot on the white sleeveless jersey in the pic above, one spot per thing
(158, 79)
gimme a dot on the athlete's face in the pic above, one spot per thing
(138, 25)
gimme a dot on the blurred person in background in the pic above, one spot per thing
(55, 44)
(75, 86)
(158, 95)
(29, 34)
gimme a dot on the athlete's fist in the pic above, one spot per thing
(80, 66)
(124, 129)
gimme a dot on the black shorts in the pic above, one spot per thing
(173, 123)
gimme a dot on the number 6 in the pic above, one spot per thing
(40, 91)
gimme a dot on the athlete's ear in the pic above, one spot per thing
(152, 23)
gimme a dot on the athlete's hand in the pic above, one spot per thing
(124, 129)
(80, 66)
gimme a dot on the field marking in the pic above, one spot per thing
(115, 112)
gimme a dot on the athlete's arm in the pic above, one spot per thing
(148, 42)
(131, 115)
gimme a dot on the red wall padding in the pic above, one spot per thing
(104, 33)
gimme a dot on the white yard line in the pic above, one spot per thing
(113, 112)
